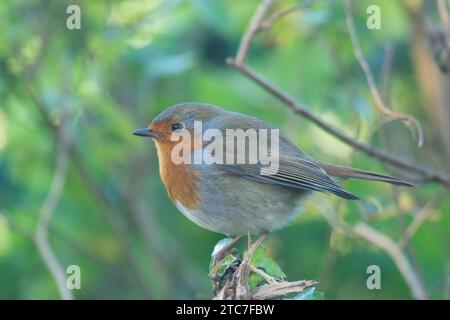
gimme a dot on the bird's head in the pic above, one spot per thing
(174, 119)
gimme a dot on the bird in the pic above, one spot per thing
(236, 199)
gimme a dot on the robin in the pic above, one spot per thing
(237, 198)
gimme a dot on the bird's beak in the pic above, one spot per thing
(145, 132)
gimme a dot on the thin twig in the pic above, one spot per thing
(266, 24)
(395, 252)
(237, 288)
(379, 103)
(282, 289)
(265, 276)
(253, 28)
(48, 208)
(240, 277)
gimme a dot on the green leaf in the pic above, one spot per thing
(228, 261)
(267, 264)
(222, 266)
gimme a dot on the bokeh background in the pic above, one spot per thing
(130, 60)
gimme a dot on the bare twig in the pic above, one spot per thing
(266, 277)
(395, 252)
(266, 24)
(50, 203)
(258, 23)
(240, 277)
(281, 289)
(253, 28)
(304, 111)
(379, 103)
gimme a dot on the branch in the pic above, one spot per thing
(48, 208)
(266, 24)
(281, 289)
(268, 278)
(253, 28)
(303, 110)
(240, 277)
(381, 106)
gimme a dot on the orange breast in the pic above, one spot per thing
(179, 179)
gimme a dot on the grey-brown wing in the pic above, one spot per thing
(294, 172)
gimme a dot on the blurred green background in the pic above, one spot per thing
(132, 59)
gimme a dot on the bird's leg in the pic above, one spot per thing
(222, 252)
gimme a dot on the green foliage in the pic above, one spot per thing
(221, 270)
(263, 262)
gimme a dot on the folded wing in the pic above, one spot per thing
(299, 173)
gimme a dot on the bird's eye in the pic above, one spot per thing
(176, 126)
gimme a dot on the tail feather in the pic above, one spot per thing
(354, 173)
